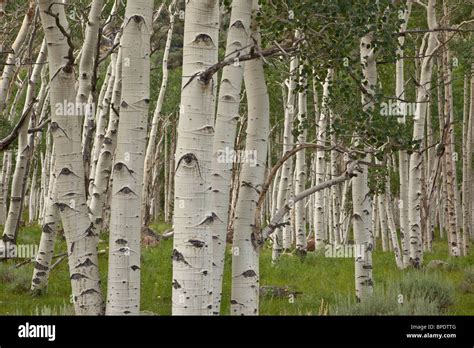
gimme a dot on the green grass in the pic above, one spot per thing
(319, 280)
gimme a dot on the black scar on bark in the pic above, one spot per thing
(197, 243)
(121, 241)
(89, 291)
(177, 256)
(86, 263)
(249, 273)
(90, 231)
(41, 267)
(77, 276)
(134, 267)
(176, 284)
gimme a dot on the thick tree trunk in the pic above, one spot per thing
(192, 250)
(69, 191)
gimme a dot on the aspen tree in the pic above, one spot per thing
(151, 146)
(69, 197)
(23, 159)
(123, 293)
(224, 138)
(361, 200)
(245, 267)
(192, 249)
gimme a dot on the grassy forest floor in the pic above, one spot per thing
(316, 285)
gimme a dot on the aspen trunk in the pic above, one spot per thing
(151, 147)
(192, 250)
(10, 62)
(104, 162)
(286, 171)
(245, 267)
(403, 168)
(123, 293)
(69, 191)
(224, 139)
(423, 96)
(361, 201)
(319, 225)
(23, 159)
(300, 169)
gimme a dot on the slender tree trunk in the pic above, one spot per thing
(403, 156)
(84, 99)
(423, 96)
(4, 182)
(319, 221)
(300, 168)
(361, 200)
(467, 169)
(123, 293)
(104, 162)
(245, 267)
(224, 139)
(286, 170)
(23, 159)
(10, 62)
(151, 147)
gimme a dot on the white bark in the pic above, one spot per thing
(319, 225)
(104, 162)
(4, 182)
(245, 267)
(123, 293)
(84, 99)
(423, 96)
(192, 250)
(224, 138)
(10, 62)
(467, 169)
(286, 171)
(361, 200)
(151, 147)
(300, 168)
(25, 149)
(403, 156)
(69, 191)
